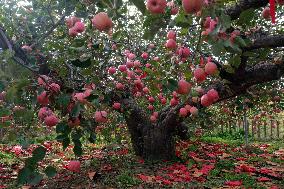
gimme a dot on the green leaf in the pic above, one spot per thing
(76, 135)
(76, 110)
(65, 142)
(63, 100)
(31, 163)
(23, 175)
(34, 178)
(152, 24)
(217, 48)
(172, 84)
(225, 20)
(183, 21)
(82, 64)
(50, 171)
(235, 61)
(78, 151)
(246, 16)
(240, 41)
(250, 54)
(62, 127)
(229, 69)
(140, 5)
(39, 153)
(92, 137)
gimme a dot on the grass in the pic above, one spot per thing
(126, 179)
(124, 168)
(7, 158)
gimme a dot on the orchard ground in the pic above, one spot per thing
(205, 162)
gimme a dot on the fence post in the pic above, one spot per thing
(258, 130)
(236, 126)
(277, 128)
(245, 128)
(271, 128)
(264, 129)
(252, 128)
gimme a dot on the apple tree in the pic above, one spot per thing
(153, 63)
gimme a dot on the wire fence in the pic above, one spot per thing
(267, 130)
(271, 129)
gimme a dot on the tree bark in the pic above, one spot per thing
(151, 141)
(159, 144)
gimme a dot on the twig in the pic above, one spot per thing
(197, 44)
(48, 32)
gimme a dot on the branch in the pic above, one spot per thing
(243, 5)
(258, 74)
(50, 31)
(267, 42)
(20, 56)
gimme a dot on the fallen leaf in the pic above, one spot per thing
(91, 175)
(234, 183)
(263, 179)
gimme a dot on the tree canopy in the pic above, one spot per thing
(75, 65)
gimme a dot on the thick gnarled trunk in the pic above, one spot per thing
(152, 141)
(158, 143)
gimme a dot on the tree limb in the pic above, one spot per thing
(270, 41)
(258, 74)
(242, 5)
(20, 56)
(50, 31)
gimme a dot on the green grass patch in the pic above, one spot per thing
(126, 179)
(213, 139)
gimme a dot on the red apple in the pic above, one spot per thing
(55, 87)
(210, 68)
(173, 7)
(119, 86)
(187, 107)
(51, 120)
(112, 70)
(266, 13)
(171, 35)
(199, 75)
(192, 6)
(150, 107)
(171, 44)
(174, 102)
(79, 27)
(156, 6)
(43, 98)
(122, 68)
(213, 95)
(151, 99)
(194, 111)
(43, 112)
(183, 87)
(182, 112)
(116, 105)
(102, 22)
(205, 100)
(153, 118)
(74, 166)
(144, 55)
(100, 116)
